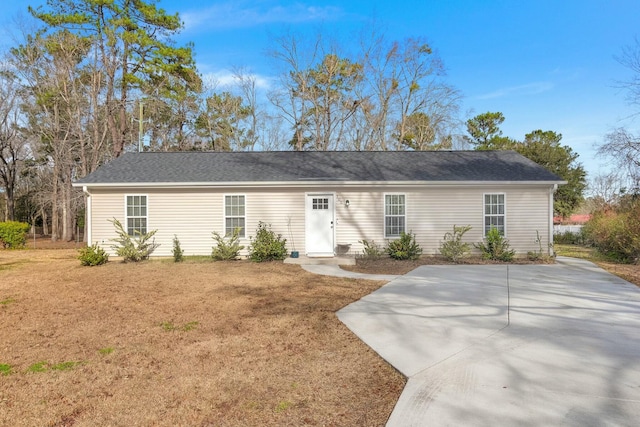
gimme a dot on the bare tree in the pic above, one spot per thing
(605, 190)
(52, 79)
(622, 145)
(404, 87)
(13, 142)
(295, 57)
(247, 84)
(630, 59)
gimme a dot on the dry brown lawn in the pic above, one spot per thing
(190, 344)
(629, 272)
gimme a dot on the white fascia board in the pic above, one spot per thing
(321, 184)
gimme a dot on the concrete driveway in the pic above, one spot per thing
(518, 345)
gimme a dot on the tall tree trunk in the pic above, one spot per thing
(10, 211)
(55, 215)
(45, 221)
(11, 204)
(68, 217)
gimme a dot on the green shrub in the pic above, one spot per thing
(13, 234)
(371, 249)
(178, 253)
(130, 248)
(93, 255)
(227, 248)
(570, 238)
(453, 248)
(405, 247)
(616, 233)
(495, 246)
(267, 246)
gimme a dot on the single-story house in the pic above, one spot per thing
(323, 203)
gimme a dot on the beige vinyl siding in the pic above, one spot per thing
(431, 211)
(193, 214)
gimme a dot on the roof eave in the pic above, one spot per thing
(324, 183)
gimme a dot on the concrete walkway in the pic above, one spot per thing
(497, 345)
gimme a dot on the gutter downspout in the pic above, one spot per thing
(87, 219)
(550, 237)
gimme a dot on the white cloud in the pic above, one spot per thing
(526, 89)
(223, 16)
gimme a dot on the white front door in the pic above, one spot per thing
(319, 225)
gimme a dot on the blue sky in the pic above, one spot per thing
(546, 65)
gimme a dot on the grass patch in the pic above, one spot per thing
(575, 251)
(64, 366)
(283, 406)
(170, 326)
(38, 367)
(5, 369)
(46, 366)
(106, 350)
(7, 301)
(189, 326)
(584, 252)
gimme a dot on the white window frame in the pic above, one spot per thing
(485, 230)
(385, 215)
(243, 234)
(127, 216)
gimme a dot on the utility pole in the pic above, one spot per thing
(140, 127)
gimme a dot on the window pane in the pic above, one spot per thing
(494, 211)
(234, 211)
(232, 223)
(136, 213)
(389, 226)
(394, 211)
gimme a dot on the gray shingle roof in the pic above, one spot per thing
(300, 166)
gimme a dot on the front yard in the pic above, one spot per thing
(195, 344)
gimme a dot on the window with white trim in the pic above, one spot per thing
(394, 215)
(494, 213)
(234, 216)
(136, 215)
